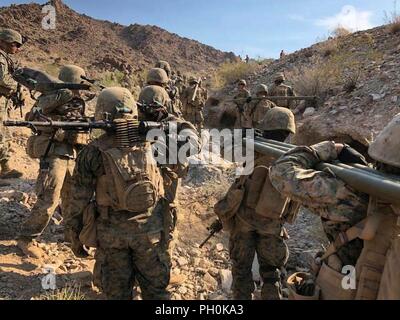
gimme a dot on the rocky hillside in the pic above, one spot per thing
(101, 45)
(357, 78)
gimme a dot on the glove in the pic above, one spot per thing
(349, 155)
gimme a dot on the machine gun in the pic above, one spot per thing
(39, 81)
(215, 227)
(127, 131)
(362, 178)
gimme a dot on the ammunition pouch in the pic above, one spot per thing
(132, 181)
(253, 186)
(88, 235)
(36, 146)
(330, 282)
(77, 138)
(266, 200)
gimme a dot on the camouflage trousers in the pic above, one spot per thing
(4, 133)
(171, 216)
(124, 255)
(51, 186)
(272, 253)
(195, 116)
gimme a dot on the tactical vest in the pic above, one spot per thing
(132, 181)
(281, 91)
(377, 231)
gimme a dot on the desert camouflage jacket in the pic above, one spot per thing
(6, 66)
(339, 206)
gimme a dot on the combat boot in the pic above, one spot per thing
(8, 173)
(29, 248)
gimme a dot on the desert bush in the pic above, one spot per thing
(112, 79)
(394, 26)
(230, 72)
(69, 292)
(338, 67)
(329, 47)
(316, 80)
(341, 32)
(392, 19)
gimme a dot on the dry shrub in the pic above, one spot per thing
(314, 81)
(394, 26)
(329, 47)
(230, 72)
(341, 32)
(69, 292)
(392, 19)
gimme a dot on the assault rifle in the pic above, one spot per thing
(215, 227)
(274, 98)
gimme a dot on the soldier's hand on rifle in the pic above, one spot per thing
(216, 226)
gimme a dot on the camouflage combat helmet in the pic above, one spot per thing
(193, 80)
(71, 74)
(157, 75)
(261, 88)
(165, 66)
(153, 94)
(243, 82)
(10, 36)
(280, 77)
(385, 147)
(115, 103)
(279, 118)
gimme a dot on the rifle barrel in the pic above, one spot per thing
(307, 98)
(60, 124)
(206, 240)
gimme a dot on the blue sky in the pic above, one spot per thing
(260, 28)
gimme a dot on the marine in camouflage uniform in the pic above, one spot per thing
(10, 42)
(342, 208)
(243, 96)
(255, 111)
(254, 213)
(56, 167)
(172, 173)
(193, 106)
(377, 269)
(339, 206)
(279, 89)
(171, 88)
(128, 225)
